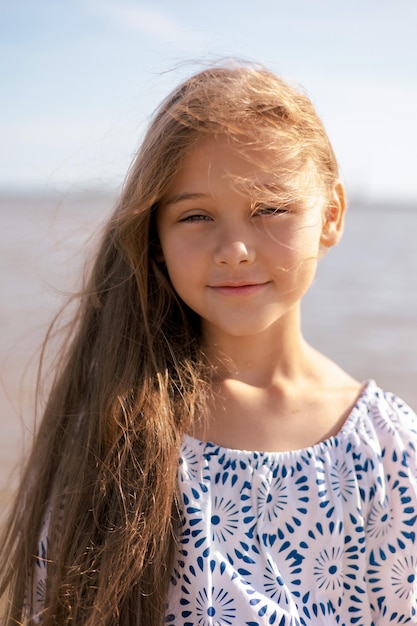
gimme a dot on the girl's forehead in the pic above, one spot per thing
(222, 156)
(256, 167)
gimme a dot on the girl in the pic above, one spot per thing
(295, 497)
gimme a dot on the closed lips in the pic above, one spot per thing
(239, 284)
(238, 288)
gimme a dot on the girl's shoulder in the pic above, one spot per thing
(386, 411)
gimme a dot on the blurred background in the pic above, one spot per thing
(80, 81)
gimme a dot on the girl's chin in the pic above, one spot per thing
(238, 330)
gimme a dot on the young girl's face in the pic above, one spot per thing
(241, 263)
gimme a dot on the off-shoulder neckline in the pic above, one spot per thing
(368, 389)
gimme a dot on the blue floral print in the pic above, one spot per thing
(324, 535)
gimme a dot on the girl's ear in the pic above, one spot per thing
(333, 217)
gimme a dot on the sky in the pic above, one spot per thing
(81, 78)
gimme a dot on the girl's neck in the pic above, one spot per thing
(280, 353)
(273, 391)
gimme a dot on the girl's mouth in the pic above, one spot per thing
(238, 289)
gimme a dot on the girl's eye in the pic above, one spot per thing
(195, 218)
(270, 210)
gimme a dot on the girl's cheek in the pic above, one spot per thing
(289, 238)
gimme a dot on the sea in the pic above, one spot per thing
(361, 310)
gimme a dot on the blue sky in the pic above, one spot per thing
(81, 78)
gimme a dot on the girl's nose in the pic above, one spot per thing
(233, 253)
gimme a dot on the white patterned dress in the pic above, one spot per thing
(320, 536)
(315, 537)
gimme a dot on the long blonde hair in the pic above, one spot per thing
(132, 379)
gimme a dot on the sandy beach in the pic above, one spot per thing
(44, 240)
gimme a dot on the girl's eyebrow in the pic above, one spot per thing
(186, 196)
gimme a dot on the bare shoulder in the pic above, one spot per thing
(338, 391)
(331, 376)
